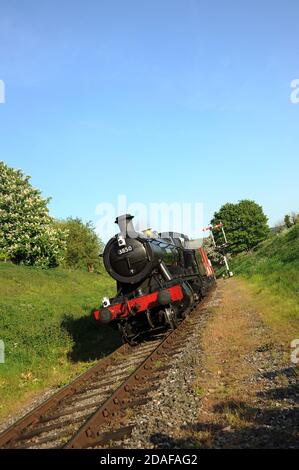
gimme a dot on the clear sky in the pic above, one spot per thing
(162, 101)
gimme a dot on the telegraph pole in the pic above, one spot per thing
(211, 228)
(222, 228)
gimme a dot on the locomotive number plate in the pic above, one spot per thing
(125, 249)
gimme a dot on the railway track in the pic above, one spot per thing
(93, 410)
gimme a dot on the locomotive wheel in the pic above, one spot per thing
(126, 337)
(171, 318)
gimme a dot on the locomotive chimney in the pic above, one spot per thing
(126, 225)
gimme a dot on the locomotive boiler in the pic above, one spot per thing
(158, 278)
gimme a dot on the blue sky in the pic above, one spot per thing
(163, 101)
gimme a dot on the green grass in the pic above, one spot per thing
(48, 330)
(272, 269)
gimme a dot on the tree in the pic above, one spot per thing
(245, 224)
(295, 218)
(291, 219)
(287, 221)
(83, 246)
(27, 232)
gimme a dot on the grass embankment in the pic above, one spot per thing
(272, 273)
(47, 328)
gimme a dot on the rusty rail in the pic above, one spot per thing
(35, 415)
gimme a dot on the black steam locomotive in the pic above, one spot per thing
(158, 276)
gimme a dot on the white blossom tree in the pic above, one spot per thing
(213, 254)
(28, 234)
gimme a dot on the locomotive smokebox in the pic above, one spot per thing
(130, 257)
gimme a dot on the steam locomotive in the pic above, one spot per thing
(158, 276)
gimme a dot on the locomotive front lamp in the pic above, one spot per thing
(121, 240)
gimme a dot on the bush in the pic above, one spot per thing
(83, 246)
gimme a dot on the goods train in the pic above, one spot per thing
(158, 276)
